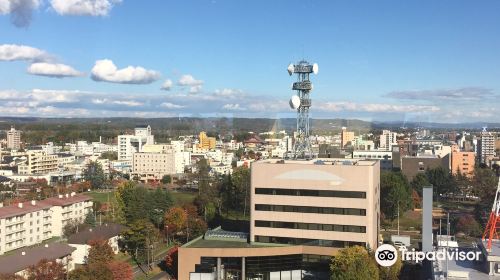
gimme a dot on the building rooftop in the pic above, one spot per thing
(103, 232)
(22, 208)
(322, 161)
(63, 200)
(18, 262)
(218, 238)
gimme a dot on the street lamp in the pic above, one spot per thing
(167, 236)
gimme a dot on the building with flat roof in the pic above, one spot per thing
(347, 137)
(302, 213)
(130, 144)
(13, 139)
(463, 163)
(411, 166)
(486, 147)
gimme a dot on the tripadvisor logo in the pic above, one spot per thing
(387, 255)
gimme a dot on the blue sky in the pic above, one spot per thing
(378, 60)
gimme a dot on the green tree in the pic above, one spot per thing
(94, 174)
(166, 179)
(395, 194)
(90, 219)
(353, 263)
(241, 182)
(138, 239)
(441, 181)
(419, 182)
(392, 272)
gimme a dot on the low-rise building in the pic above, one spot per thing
(18, 262)
(80, 240)
(39, 162)
(463, 163)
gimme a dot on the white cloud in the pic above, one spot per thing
(229, 93)
(55, 70)
(83, 7)
(169, 105)
(374, 107)
(233, 107)
(195, 89)
(20, 11)
(105, 70)
(130, 103)
(188, 80)
(167, 85)
(21, 52)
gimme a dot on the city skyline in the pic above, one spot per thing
(384, 61)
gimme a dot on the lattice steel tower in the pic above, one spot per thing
(302, 102)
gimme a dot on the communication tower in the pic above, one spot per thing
(302, 102)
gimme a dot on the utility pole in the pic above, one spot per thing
(398, 217)
(447, 244)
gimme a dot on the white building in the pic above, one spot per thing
(385, 157)
(486, 147)
(130, 144)
(80, 240)
(13, 139)
(29, 223)
(387, 140)
(38, 162)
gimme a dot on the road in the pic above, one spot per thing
(159, 258)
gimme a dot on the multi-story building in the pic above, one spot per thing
(486, 147)
(68, 208)
(13, 139)
(463, 163)
(347, 137)
(387, 140)
(150, 167)
(29, 223)
(130, 144)
(411, 166)
(302, 213)
(206, 143)
(39, 162)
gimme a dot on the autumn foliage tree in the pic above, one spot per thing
(121, 270)
(99, 253)
(354, 263)
(171, 260)
(175, 221)
(46, 270)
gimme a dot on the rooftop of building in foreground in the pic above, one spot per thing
(321, 161)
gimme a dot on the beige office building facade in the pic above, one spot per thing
(302, 213)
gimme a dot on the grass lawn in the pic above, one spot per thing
(182, 197)
(102, 196)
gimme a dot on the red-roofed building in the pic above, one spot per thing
(29, 223)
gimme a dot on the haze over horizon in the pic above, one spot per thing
(386, 61)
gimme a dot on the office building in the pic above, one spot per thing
(130, 144)
(151, 167)
(302, 213)
(13, 139)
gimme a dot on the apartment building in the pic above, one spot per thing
(387, 140)
(302, 213)
(13, 139)
(206, 143)
(385, 157)
(130, 144)
(347, 137)
(463, 163)
(486, 150)
(39, 162)
(29, 223)
(67, 208)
